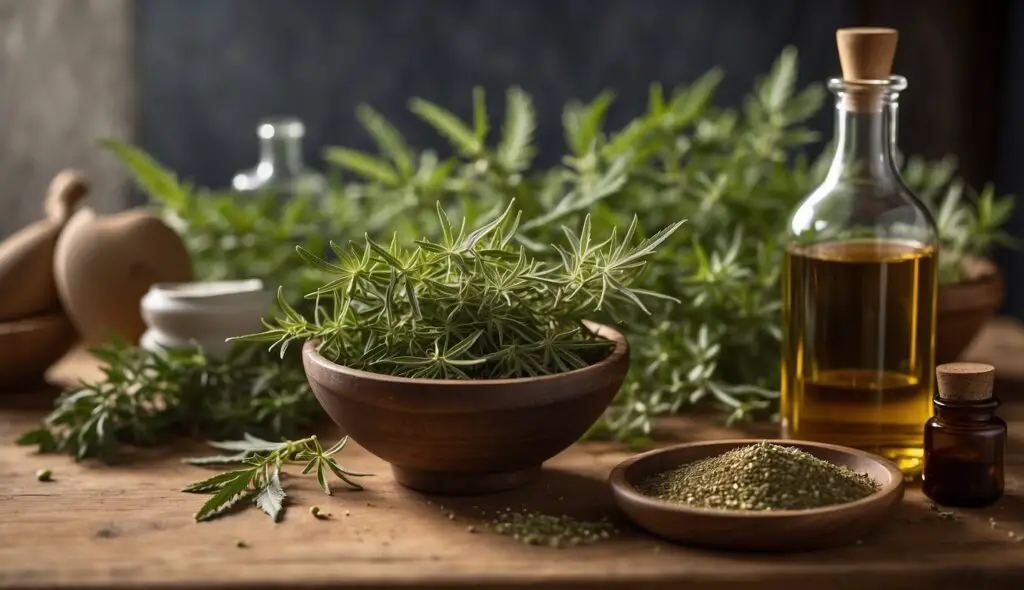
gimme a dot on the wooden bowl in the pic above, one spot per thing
(28, 347)
(782, 530)
(962, 310)
(466, 437)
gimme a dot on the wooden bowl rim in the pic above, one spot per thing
(988, 282)
(624, 488)
(985, 293)
(607, 332)
(36, 323)
(994, 278)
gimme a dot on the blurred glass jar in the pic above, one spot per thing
(281, 170)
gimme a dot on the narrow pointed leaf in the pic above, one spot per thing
(217, 459)
(778, 86)
(157, 181)
(230, 492)
(216, 482)
(515, 151)
(321, 478)
(337, 448)
(245, 445)
(345, 475)
(389, 141)
(464, 345)
(448, 125)
(628, 294)
(316, 262)
(271, 496)
(383, 253)
(363, 164)
(480, 124)
(446, 226)
(479, 233)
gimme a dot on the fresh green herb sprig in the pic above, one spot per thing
(259, 478)
(147, 398)
(473, 304)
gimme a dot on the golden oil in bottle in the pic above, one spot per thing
(858, 352)
(861, 277)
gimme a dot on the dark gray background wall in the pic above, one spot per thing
(189, 79)
(209, 69)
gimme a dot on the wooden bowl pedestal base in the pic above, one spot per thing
(462, 484)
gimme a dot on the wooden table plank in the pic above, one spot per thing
(127, 526)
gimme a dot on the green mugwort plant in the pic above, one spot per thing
(471, 305)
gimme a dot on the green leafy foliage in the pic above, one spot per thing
(735, 173)
(229, 236)
(148, 398)
(258, 477)
(969, 224)
(472, 304)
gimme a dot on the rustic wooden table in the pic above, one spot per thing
(129, 527)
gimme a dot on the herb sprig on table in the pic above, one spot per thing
(259, 476)
(147, 398)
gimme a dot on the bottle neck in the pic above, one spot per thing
(281, 154)
(865, 139)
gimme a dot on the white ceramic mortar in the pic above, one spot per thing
(184, 315)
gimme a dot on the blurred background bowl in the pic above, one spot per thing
(30, 346)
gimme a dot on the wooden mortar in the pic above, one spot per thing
(27, 284)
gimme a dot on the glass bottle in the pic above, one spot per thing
(281, 170)
(965, 441)
(861, 278)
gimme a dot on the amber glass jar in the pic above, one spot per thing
(964, 441)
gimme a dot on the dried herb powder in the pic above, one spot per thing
(535, 528)
(762, 476)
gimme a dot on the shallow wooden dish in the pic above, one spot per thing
(28, 347)
(783, 530)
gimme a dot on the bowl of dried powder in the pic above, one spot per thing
(758, 495)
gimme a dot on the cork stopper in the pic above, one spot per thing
(965, 382)
(866, 55)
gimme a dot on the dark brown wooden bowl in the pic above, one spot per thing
(466, 437)
(963, 308)
(782, 530)
(29, 346)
